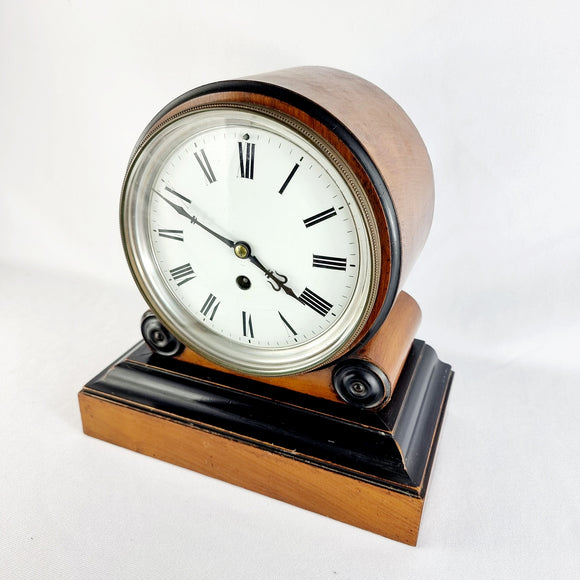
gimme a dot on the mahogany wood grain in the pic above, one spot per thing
(367, 468)
(370, 507)
(388, 135)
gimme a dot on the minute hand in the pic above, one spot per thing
(279, 281)
(193, 219)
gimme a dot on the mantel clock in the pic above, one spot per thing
(269, 223)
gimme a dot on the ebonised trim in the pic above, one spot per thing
(392, 448)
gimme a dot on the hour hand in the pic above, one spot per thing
(277, 281)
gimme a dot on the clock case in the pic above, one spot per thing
(372, 135)
(295, 438)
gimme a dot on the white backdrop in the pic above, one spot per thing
(494, 89)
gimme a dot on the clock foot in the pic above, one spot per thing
(366, 468)
(157, 337)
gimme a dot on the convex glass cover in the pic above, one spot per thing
(251, 239)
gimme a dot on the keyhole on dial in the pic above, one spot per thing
(243, 282)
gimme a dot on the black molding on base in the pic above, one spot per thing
(393, 447)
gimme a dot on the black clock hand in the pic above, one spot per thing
(241, 249)
(279, 280)
(193, 219)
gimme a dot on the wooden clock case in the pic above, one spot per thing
(295, 438)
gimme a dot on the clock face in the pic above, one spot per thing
(251, 240)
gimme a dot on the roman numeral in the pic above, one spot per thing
(182, 274)
(315, 302)
(247, 324)
(287, 324)
(246, 159)
(328, 262)
(208, 305)
(319, 217)
(285, 184)
(171, 234)
(205, 166)
(172, 191)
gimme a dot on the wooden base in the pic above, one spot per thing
(368, 469)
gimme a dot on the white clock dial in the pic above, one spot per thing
(249, 241)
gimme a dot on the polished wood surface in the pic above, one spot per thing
(388, 135)
(388, 350)
(367, 468)
(345, 499)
